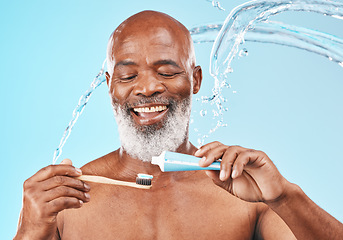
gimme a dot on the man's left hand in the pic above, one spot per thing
(246, 173)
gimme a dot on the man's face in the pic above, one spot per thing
(151, 88)
(150, 64)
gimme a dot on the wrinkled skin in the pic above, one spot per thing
(151, 55)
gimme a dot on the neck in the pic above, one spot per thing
(127, 167)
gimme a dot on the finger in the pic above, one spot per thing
(63, 191)
(247, 157)
(62, 203)
(200, 152)
(214, 175)
(212, 155)
(66, 161)
(65, 181)
(55, 170)
(228, 160)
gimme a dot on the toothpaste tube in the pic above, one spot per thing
(172, 161)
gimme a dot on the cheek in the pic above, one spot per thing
(120, 92)
(181, 86)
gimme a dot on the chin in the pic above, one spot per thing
(145, 141)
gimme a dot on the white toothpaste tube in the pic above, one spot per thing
(172, 161)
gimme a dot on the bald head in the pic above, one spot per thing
(150, 26)
(151, 78)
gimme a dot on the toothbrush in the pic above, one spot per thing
(143, 181)
(172, 161)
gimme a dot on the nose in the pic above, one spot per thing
(148, 85)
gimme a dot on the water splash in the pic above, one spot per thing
(283, 34)
(247, 22)
(98, 80)
(243, 19)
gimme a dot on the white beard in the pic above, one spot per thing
(144, 142)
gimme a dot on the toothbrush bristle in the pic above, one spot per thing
(144, 179)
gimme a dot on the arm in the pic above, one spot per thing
(51, 190)
(270, 226)
(251, 176)
(306, 219)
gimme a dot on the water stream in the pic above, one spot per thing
(247, 22)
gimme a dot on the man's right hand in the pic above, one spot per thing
(51, 190)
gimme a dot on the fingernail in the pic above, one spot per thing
(87, 187)
(81, 202)
(197, 152)
(202, 160)
(78, 170)
(222, 175)
(234, 173)
(87, 195)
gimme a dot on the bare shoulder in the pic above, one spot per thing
(100, 165)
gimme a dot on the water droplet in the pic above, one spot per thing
(228, 70)
(223, 99)
(199, 142)
(243, 52)
(215, 113)
(203, 113)
(216, 4)
(225, 84)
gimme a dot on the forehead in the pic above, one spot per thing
(150, 44)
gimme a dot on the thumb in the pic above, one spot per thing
(66, 161)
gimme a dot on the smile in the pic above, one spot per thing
(150, 109)
(149, 114)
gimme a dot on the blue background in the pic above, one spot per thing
(288, 102)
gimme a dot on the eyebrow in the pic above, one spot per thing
(159, 62)
(125, 63)
(166, 62)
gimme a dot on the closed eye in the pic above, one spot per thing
(169, 75)
(128, 78)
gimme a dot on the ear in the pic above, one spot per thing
(197, 78)
(108, 78)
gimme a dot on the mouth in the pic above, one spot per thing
(149, 114)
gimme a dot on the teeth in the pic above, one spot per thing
(151, 109)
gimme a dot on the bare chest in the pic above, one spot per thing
(123, 213)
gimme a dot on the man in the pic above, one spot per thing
(151, 77)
